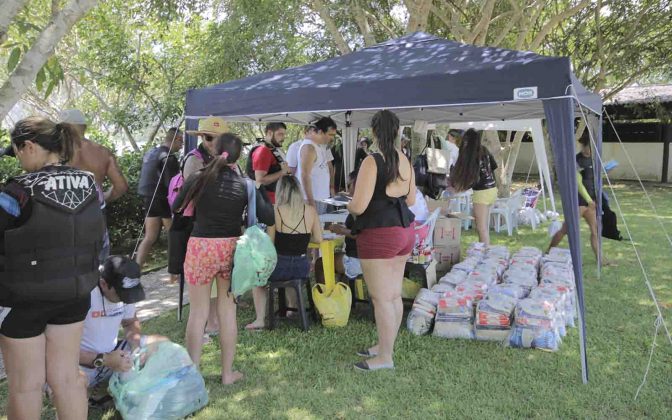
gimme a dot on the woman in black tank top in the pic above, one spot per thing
(296, 225)
(384, 228)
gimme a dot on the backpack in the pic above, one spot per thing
(255, 257)
(249, 170)
(177, 181)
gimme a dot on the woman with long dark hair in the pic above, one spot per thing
(52, 226)
(296, 225)
(384, 229)
(219, 194)
(475, 169)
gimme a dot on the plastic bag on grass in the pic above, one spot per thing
(168, 385)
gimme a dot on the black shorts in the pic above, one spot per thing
(31, 319)
(583, 202)
(160, 207)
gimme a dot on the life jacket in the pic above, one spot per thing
(150, 174)
(177, 182)
(275, 168)
(54, 255)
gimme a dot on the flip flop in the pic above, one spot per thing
(366, 353)
(250, 327)
(364, 367)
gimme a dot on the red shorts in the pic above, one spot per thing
(208, 258)
(385, 242)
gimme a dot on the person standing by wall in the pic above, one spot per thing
(159, 165)
(384, 229)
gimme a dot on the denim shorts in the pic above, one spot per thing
(291, 268)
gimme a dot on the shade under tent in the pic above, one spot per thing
(424, 78)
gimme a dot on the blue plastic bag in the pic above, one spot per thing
(168, 385)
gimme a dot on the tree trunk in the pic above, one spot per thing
(323, 11)
(513, 156)
(418, 15)
(151, 136)
(10, 8)
(43, 48)
(362, 23)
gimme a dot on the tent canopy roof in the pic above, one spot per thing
(420, 76)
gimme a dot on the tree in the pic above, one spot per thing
(31, 63)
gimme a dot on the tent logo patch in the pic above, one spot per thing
(525, 93)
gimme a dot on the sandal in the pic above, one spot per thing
(364, 367)
(366, 353)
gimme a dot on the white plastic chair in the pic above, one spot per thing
(507, 208)
(431, 222)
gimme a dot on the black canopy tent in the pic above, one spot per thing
(424, 78)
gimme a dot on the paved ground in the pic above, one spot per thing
(161, 296)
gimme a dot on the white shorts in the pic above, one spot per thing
(353, 268)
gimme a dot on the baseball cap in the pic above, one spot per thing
(72, 116)
(123, 274)
(212, 126)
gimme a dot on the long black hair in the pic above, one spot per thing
(385, 127)
(466, 171)
(228, 148)
(55, 138)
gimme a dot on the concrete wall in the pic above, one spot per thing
(647, 158)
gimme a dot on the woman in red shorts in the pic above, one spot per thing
(384, 225)
(219, 194)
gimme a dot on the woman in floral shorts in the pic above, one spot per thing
(219, 194)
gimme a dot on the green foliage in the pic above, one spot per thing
(126, 215)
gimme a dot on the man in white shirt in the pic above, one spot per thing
(313, 171)
(293, 151)
(112, 306)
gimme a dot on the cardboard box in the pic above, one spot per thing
(425, 272)
(447, 235)
(446, 257)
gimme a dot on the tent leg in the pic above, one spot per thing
(181, 300)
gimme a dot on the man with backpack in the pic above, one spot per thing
(266, 163)
(159, 166)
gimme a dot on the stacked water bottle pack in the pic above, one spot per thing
(495, 296)
(423, 312)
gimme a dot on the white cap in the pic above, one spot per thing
(72, 116)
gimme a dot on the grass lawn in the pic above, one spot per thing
(291, 374)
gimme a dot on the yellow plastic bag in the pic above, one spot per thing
(334, 308)
(409, 289)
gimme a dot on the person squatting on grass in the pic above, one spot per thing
(112, 306)
(219, 194)
(384, 229)
(53, 228)
(296, 225)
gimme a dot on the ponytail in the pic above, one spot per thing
(385, 127)
(56, 138)
(228, 147)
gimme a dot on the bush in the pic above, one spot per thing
(125, 216)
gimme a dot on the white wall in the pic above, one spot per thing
(647, 158)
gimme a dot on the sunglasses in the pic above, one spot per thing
(208, 137)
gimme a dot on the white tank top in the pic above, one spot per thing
(320, 174)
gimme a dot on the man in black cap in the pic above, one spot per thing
(112, 306)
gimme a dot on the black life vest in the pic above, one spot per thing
(53, 257)
(275, 168)
(150, 174)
